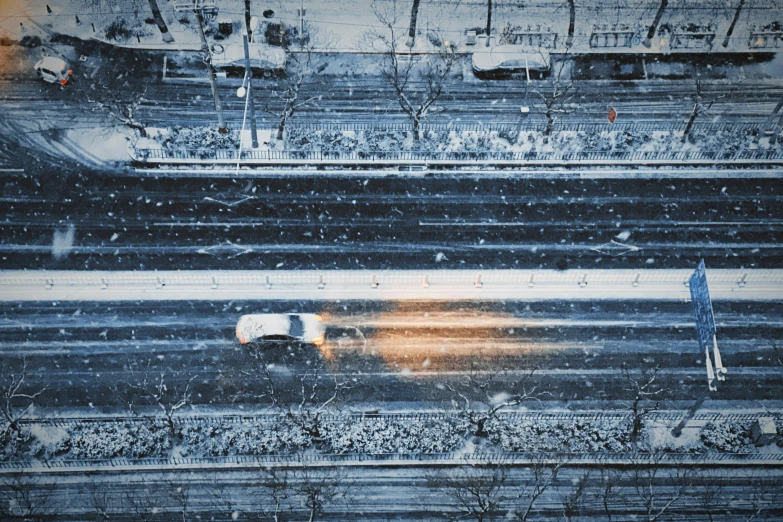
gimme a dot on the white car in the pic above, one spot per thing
(308, 328)
(508, 58)
(262, 56)
(53, 70)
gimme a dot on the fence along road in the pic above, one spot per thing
(529, 285)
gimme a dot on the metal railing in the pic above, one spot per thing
(314, 278)
(729, 153)
(276, 417)
(450, 458)
(726, 155)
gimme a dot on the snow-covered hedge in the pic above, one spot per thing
(483, 142)
(256, 438)
(105, 440)
(348, 434)
(727, 437)
(379, 435)
(203, 142)
(543, 435)
(206, 139)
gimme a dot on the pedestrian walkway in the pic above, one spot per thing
(347, 25)
(386, 285)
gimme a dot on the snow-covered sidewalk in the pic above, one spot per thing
(599, 26)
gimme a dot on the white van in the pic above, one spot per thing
(53, 70)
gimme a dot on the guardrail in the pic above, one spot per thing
(419, 278)
(635, 459)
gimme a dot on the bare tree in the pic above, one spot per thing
(303, 62)
(17, 397)
(122, 106)
(318, 393)
(765, 496)
(653, 490)
(544, 477)
(557, 97)
(645, 392)
(417, 80)
(277, 489)
(477, 491)
(712, 495)
(574, 500)
(159, 388)
(701, 106)
(143, 503)
(484, 390)
(319, 488)
(104, 503)
(181, 496)
(26, 497)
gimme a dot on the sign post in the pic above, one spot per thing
(705, 325)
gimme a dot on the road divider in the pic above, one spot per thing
(381, 285)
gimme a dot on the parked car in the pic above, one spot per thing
(508, 58)
(53, 70)
(262, 56)
(307, 328)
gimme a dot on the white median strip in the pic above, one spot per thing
(380, 285)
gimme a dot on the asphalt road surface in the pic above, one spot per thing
(412, 493)
(365, 100)
(122, 78)
(95, 222)
(93, 354)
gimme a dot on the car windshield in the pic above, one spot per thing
(297, 326)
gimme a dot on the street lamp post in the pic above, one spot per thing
(249, 93)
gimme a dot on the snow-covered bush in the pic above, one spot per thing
(15, 445)
(207, 139)
(105, 440)
(543, 435)
(256, 438)
(346, 434)
(727, 437)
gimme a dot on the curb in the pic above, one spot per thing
(635, 460)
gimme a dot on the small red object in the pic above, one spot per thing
(612, 115)
(63, 81)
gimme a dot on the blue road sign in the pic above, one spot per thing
(705, 324)
(702, 306)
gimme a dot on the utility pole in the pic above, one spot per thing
(647, 42)
(412, 26)
(164, 30)
(489, 19)
(571, 23)
(247, 20)
(249, 93)
(212, 80)
(733, 23)
(301, 19)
